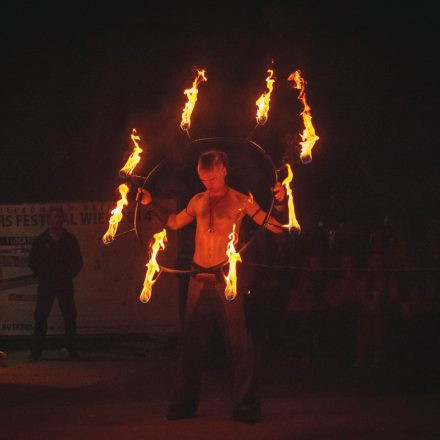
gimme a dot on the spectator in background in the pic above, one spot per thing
(267, 296)
(408, 304)
(3, 357)
(55, 258)
(340, 305)
(396, 236)
(390, 239)
(349, 240)
(304, 312)
(374, 305)
(428, 310)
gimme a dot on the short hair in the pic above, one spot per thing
(211, 158)
(57, 209)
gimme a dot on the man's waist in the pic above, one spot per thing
(206, 273)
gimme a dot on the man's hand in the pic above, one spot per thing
(144, 196)
(279, 193)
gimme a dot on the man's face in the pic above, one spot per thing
(214, 178)
(56, 219)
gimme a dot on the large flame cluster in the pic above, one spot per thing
(124, 189)
(308, 140)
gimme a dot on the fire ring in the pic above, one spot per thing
(200, 145)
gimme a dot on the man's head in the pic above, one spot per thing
(212, 169)
(56, 218)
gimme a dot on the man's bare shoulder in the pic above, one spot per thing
(238, 195)
(196, 198)
(246, 202)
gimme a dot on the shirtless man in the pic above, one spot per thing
(215, 210)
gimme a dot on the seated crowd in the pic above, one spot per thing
(368, 300)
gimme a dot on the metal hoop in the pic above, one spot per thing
(251, 239)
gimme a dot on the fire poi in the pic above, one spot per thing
(134, 157)
(232, 256)
(116, 217)
(233, 259)
(293, 222)
(308, 136)
(264, 100)
(192, 99)
(152, 266)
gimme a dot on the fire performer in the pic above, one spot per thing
(55, 258)
(215, 210)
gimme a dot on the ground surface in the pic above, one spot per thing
(120, 390)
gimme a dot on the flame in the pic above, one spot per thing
(116, 217)
(152, 267)
(231, 278)
(308, 136)
(135, 157)
(293, 222)
(264, 99)
(192, 98)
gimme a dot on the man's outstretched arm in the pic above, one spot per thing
(169, 219)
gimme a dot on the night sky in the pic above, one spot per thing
(77, 80)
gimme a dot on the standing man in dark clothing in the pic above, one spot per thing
(55, 258)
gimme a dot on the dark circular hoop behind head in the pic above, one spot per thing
(198, 146)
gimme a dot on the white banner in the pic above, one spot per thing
(108, 287)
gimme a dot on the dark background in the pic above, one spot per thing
(77, 79)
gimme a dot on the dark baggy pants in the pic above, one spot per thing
(45, 299)
(207, 305)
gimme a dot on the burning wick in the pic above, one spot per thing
(234, 257)
(116, 217)
(264, 99)
(293, 222)
(192, 98)
(308, 136)
(135, 157)
(152, 267)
